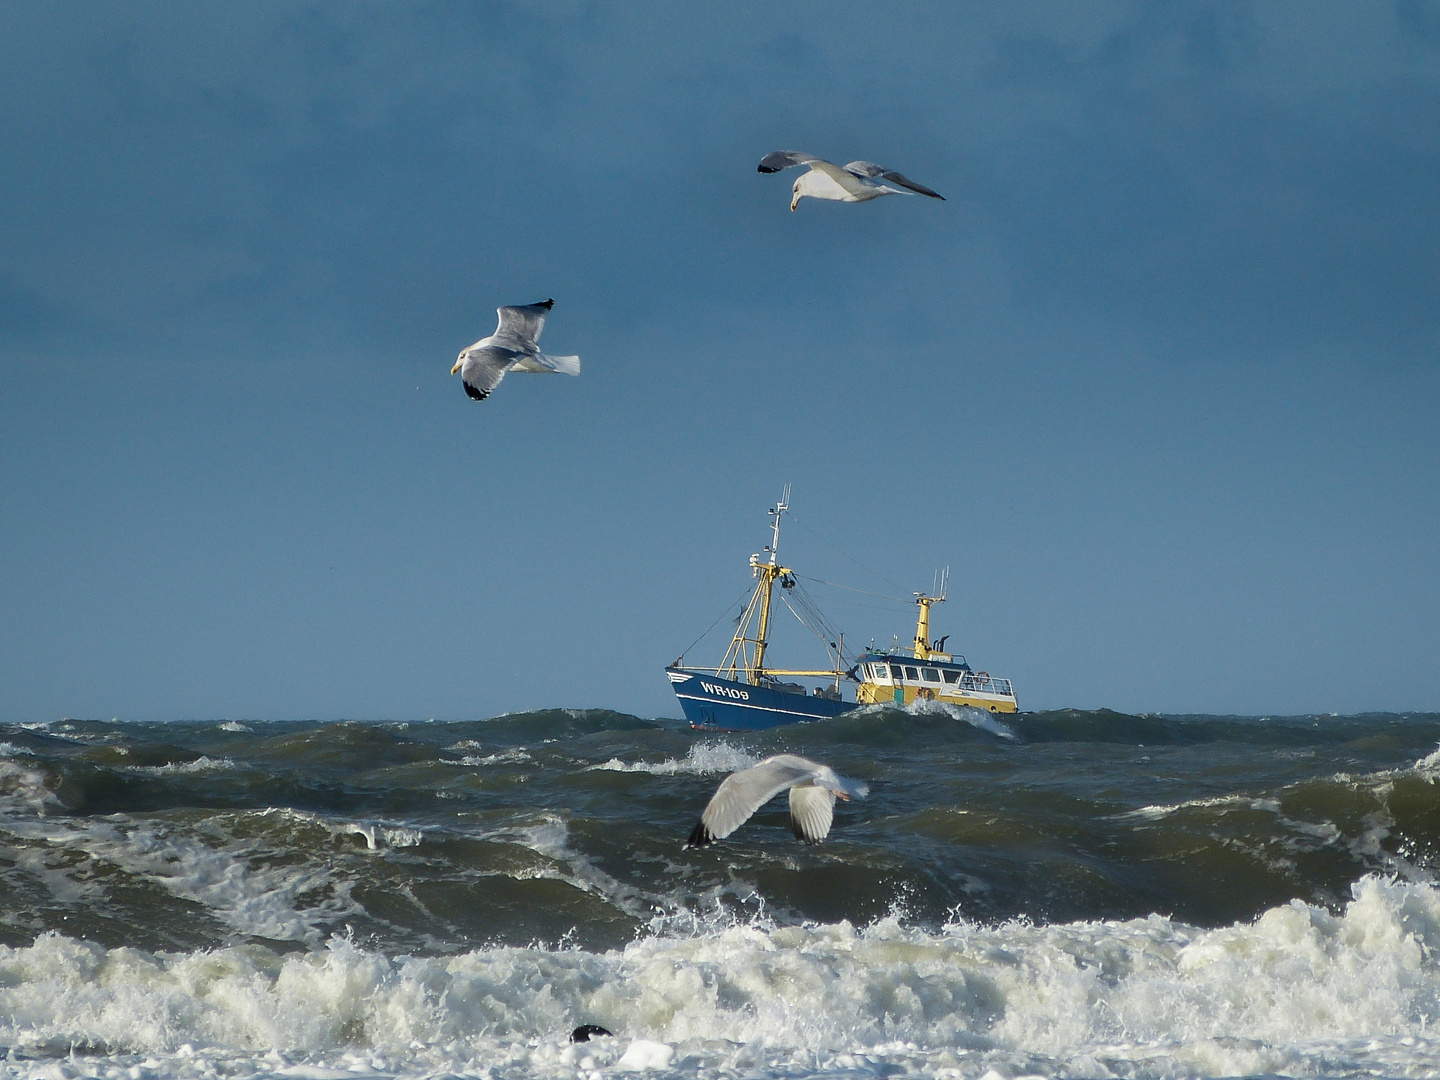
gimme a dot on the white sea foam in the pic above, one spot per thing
(1298, 992)
(1223, 803)
(231, 878)
(1429, 766)
(514, 756)
(199, 765)
(378, 837)
(703, 759)
(643, 1055)
(233, 725)
(23, 790)
(983, 719)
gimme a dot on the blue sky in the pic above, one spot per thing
(1159, 381)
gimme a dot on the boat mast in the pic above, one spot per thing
(745, 658)
(768, 573)
(922, 624)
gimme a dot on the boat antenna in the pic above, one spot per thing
(775, 512)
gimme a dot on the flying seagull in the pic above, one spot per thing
(813, 788)
(859, 181)
(511, 348)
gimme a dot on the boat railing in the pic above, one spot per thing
(987, 684)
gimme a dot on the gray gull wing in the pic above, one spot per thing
(520, 325)
(811, 811)
(785, 159)
(872, 171)
(483, 368)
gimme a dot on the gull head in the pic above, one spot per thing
(826, 777)
(459, 363)
(795, 193)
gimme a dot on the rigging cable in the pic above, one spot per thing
(733, 604)
(813, 618)
(843, 554)
(862, 592)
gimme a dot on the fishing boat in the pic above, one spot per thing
(743, 693)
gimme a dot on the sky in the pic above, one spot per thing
(1159, 381)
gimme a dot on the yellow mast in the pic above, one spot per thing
(745, 658)
(762, 639)
(746, 655)
(923, 651)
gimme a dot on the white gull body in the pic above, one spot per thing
(813, 790)
(513, 347)
(859, 181)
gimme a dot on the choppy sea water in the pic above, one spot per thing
(1076, 894)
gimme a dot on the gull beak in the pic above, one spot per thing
(839, 794)
(793, 202)
(457, 366)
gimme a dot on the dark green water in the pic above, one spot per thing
(555, 838)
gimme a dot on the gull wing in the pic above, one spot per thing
(872, 171)
(744, 792)
(811, 811)
(786, 159)
(484, 368)
(520, 326)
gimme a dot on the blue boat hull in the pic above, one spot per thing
(726, 705)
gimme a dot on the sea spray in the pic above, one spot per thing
(1299, 991)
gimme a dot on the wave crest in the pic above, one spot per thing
(703, 759)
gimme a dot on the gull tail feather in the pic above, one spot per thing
(563, 365)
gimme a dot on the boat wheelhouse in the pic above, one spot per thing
(925, 672)
(741, 693)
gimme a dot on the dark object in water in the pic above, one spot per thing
(586, 1032)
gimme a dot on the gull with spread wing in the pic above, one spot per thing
(860, 181)
(513, 347)
(813, 790)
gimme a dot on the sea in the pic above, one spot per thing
(1059, 894)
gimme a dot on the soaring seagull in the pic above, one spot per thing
(859, 181)
(513, 347)
(813, 789)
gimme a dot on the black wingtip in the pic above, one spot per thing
(762, 167)
(475, 394)
(699, 836)
(546, 304)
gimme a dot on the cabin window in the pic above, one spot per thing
(895, 670)
(879, 671)
(952, 676)
(931, 675)
(912, 674)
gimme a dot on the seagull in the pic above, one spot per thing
(856, 182)
(511, 348)
(813, 789)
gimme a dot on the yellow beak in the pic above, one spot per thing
(792, 205)
(456, 368)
